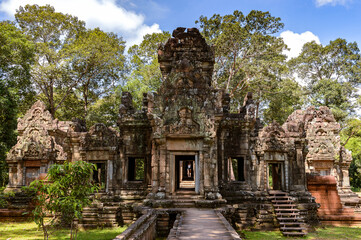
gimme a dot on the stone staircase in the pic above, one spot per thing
(287, 214)
(185, 199)
(99, 213)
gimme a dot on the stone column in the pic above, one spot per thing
(162, 167)
(155, 167)
(286, 173)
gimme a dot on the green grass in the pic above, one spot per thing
(323, 233)
(30, 231)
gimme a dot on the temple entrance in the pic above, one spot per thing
(275, 176)
(185, 172)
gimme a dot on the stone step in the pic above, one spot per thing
(89, 214)
(185, 192)
(279, 197)
(284, 205)
(288, 229)
(287, 210)
(294, 233)
(287, 214)
(282, 201)
(276, 192)
(187, 197)
(290, 223)
(290, 219)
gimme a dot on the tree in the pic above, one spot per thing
(248, 55)
(331, 74)
(106, 109)
(145, 75)
(351, 140)
(16, 56)
(98, 64)
(282, 99)
(64, 194)
(8, 113)
(51, 33)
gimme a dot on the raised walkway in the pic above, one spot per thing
(205, 224)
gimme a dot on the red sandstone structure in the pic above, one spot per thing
(185, 148)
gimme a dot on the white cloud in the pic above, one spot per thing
(105, 14)
(295, 41)
(320, 3)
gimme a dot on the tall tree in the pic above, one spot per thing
(51, 33)
(248, 55)
(98, 64)
(331, 74)
(16, 56)
(145, 74)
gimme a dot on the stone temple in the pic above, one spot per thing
(185, 148)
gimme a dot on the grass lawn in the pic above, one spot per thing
(29, 231)
(323, 233)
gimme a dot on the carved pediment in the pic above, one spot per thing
(273, 137)
(99, 135)
(185, 124)
(36, 117)
(34, 140)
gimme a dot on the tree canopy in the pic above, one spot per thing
(71, 61)
(332, 74)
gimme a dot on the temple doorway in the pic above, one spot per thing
(185, 172)
(275, 176)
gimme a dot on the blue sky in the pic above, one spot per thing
(305, 20)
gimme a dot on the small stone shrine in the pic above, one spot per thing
(185, 148)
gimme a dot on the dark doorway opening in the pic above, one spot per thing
(236, 169)
(185, 172)
(275, 176)
(136, 169)
(99, 175)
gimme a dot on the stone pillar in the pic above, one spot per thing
(162, 167)
(201, 174)
(168, 185)
(155, 167)
(286, 173)
(223, 161)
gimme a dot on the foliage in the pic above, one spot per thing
(71, 61)
(351, 138)
(51, 32)
(66, 192)
(98, 64)
(248, 56)
(332, 73)
(282, 100)
(145, 75)
(16, 53)
(8, 111)
(106, 109)
(16, 57)
(29, 231)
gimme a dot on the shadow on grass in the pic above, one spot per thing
(29, 231)
(323, 233)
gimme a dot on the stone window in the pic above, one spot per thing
(99, 175)
(136, 169)
(236, 168)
